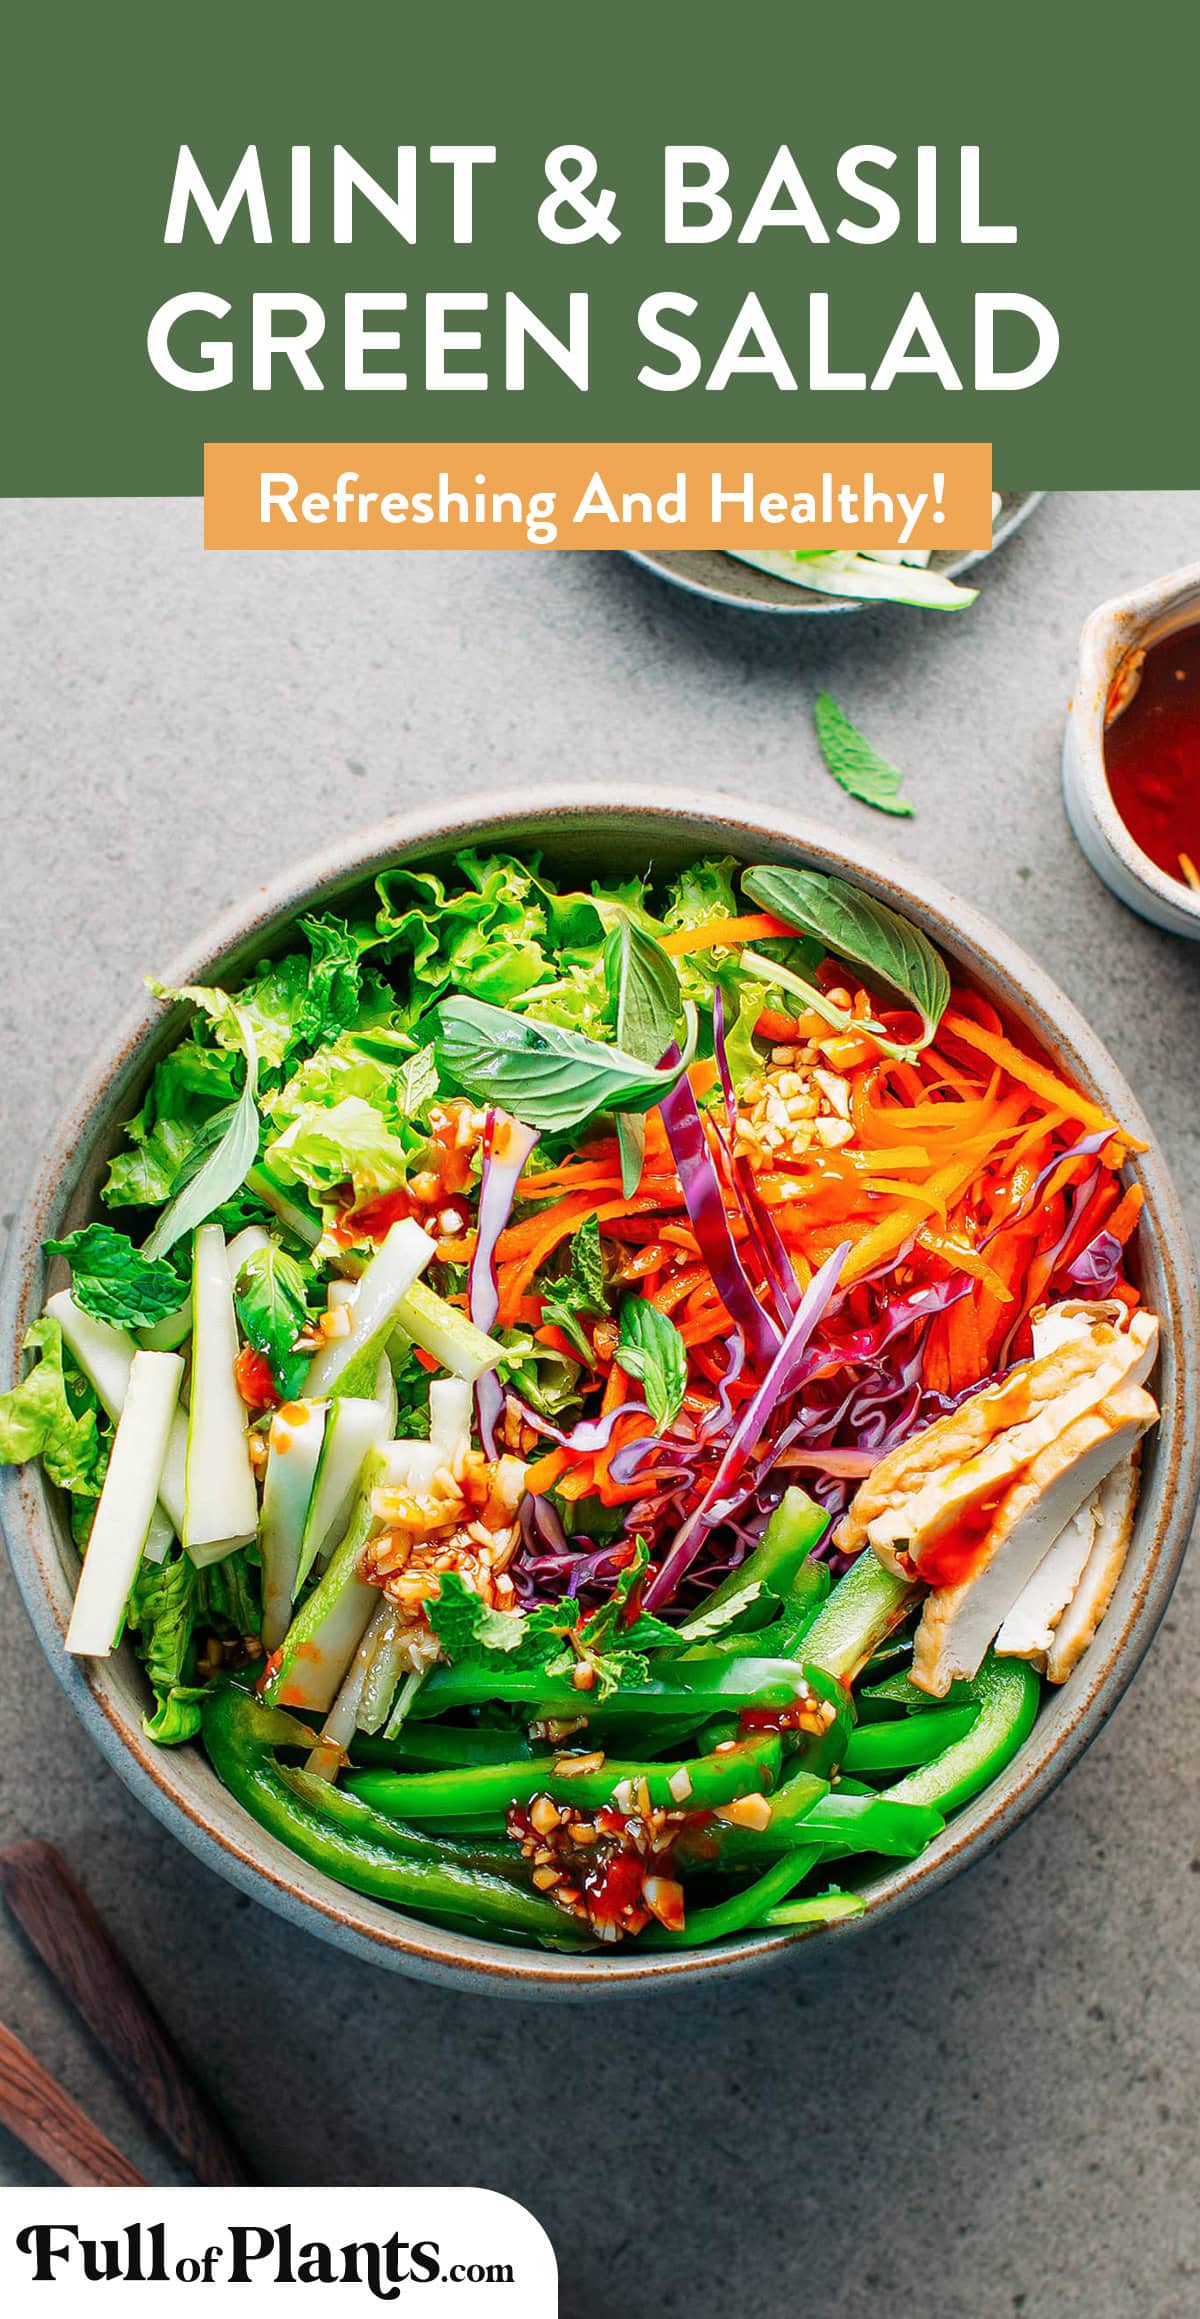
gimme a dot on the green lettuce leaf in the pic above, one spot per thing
(488, 938)
(345, 1142)
(53, 1416)
(161, 1611)
(115, 1282)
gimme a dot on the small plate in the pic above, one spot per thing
(710, 572)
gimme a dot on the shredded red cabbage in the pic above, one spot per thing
(706, 1209)
(1096, 1268)
(506, 1147)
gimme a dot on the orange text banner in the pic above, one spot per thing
(574, 495)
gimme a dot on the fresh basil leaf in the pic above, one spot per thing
(581, 1293)
(546, 1076)
(112, 1280)
(417, 1082)
(225, 1169)
(884, 946)
(270, 1294)
(855, 765)
(643, 989)
(651, 1349)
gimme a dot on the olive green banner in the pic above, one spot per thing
(672, 222)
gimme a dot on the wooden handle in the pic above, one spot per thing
(64, 1928)
(34, 2107)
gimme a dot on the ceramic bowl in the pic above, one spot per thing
(1114, 630)
(589, 833)
(709, 572)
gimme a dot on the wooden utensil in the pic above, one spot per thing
(70, 1938)
(35, 2108)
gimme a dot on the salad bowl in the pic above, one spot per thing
(584, 835)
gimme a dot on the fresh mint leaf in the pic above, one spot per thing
(466, 1628)
(652, 1350)
(855, 765)
(271, 1296)
(716, 1621)
(115, 1282)
(581, 1293)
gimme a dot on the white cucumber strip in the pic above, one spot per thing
(385, 1393)
(293, 1455)
(450, 1417)
(172, 1331)
(243, 1246)
(340, 1292)
(221, 1512)
(390, 1274)
(353, 1429)
(851, 575)
(301, 1226)
(408, 1465)
(342, 1720)
(127, 1503)
(327, 1629)
(105, 1356)
(389, 1663)
(441, 1329)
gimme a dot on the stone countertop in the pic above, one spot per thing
(987, 2108)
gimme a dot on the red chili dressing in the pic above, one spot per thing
(1152, 755)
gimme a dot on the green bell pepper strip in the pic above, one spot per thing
(241, 1737)
(914, 1739)
(840, 1823)
(1008, 1694)
(436, 1746)
(750, 1767)
(861, 1612)
(819, 1908)
(333, 1803)
(778, 1564)
(703, 1684)
(742, 1910)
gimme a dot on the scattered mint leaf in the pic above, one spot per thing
(112, 1280)
(580, 1294)
(855, 765)
(271, 1297)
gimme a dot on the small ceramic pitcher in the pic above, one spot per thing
(1114, 630)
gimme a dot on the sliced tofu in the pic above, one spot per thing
(1117, 1505)
(1028, 1631)
(1056, 1324)
(960, 1621)
(1084, 1370)
(1075, 1347)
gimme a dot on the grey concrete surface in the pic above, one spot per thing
(989, 2110)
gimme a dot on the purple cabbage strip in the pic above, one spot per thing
(706, 1209)
(776, 1263)
(780, 1380)
(497, 1190)
(1096, 1267)
(589, 1434)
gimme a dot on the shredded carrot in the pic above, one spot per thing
(725, 934)
(672, 1291)
(1041, 1082)
(544, 1472)
(1126, 1213)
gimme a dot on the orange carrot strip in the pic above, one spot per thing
(724, 934)
(544, 1471)
(1043, 1083)
(671, 1292)
(1126, 1213)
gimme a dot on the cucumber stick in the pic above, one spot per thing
(127, 1503)
(328, 1628)
(441, 1329)
(293, 1456)
(105, 1356)
(221, 1510)
(353, 1429)
(348, 1364)
(860, 1613)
